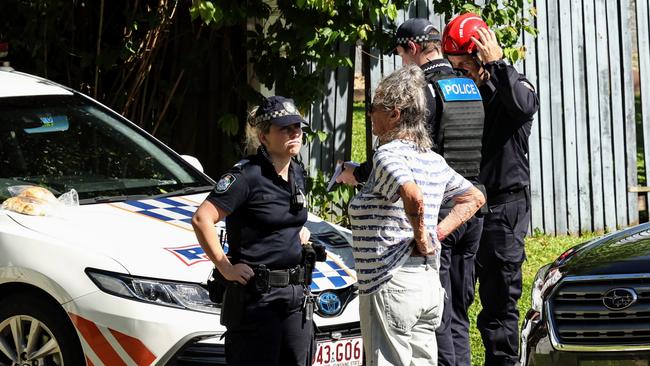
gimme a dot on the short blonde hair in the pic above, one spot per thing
(253, 130)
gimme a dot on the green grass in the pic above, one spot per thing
(358, 133)
(540, 249)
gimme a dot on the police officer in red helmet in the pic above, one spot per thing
(510, 102)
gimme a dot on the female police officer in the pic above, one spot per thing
(261, 198)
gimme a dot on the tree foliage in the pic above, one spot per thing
(143, 58)
(185, 70)
(105, 49)
(291, 42)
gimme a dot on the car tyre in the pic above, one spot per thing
(34, 331)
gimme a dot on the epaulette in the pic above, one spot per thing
(240, 164)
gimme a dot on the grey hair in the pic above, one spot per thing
(404, 90)
(253, 130)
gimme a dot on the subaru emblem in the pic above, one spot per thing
(619, 298)
(329, 303)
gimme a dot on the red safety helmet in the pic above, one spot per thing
(456, 39)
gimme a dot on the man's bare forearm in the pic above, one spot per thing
(465, 207)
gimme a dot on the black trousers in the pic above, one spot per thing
(457, 278)
(274, 332)
(498, 266)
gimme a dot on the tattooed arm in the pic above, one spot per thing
(414, 206)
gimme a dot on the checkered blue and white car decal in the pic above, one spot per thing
(331, 274)
(178, 211)
(174, 211)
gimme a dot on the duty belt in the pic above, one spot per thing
(281, 277)
(505, 197)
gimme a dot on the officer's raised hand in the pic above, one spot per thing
(487, 46)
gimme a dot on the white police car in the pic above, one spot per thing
(120, 279)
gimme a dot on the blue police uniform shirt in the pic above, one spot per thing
(261, 227)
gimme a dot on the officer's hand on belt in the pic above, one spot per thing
(239, 272)
(488, 46)
(304, 235)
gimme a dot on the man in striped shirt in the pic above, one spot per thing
(396, 234)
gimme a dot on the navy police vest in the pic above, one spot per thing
(460, 131)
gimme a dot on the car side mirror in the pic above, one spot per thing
(193, 162)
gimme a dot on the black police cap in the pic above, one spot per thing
(416, 30)
(279, 110)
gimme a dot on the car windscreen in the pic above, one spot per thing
(66, 142)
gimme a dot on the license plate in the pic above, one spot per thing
(342, 352)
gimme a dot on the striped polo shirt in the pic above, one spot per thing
(382, 233)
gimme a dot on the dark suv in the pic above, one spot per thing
(591, 307)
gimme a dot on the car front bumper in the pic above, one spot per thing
(538, 350)
(115, 330)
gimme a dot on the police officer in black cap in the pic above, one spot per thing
(261, 198)
(510, 103)
(455, 121)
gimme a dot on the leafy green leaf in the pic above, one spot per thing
(207, 11)
(229, 124)
(392, 11)
(194, 11)
(470, 8)
(515, 56)
(217, 15)
(322, 135)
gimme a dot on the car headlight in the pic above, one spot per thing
(174, 294)
(544, 280)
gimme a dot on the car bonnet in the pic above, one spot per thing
(154, 238)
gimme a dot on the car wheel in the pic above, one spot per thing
(34, 332)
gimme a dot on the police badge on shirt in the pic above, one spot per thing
(231, 190)
(225, 183)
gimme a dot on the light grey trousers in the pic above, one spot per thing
(398, 321)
